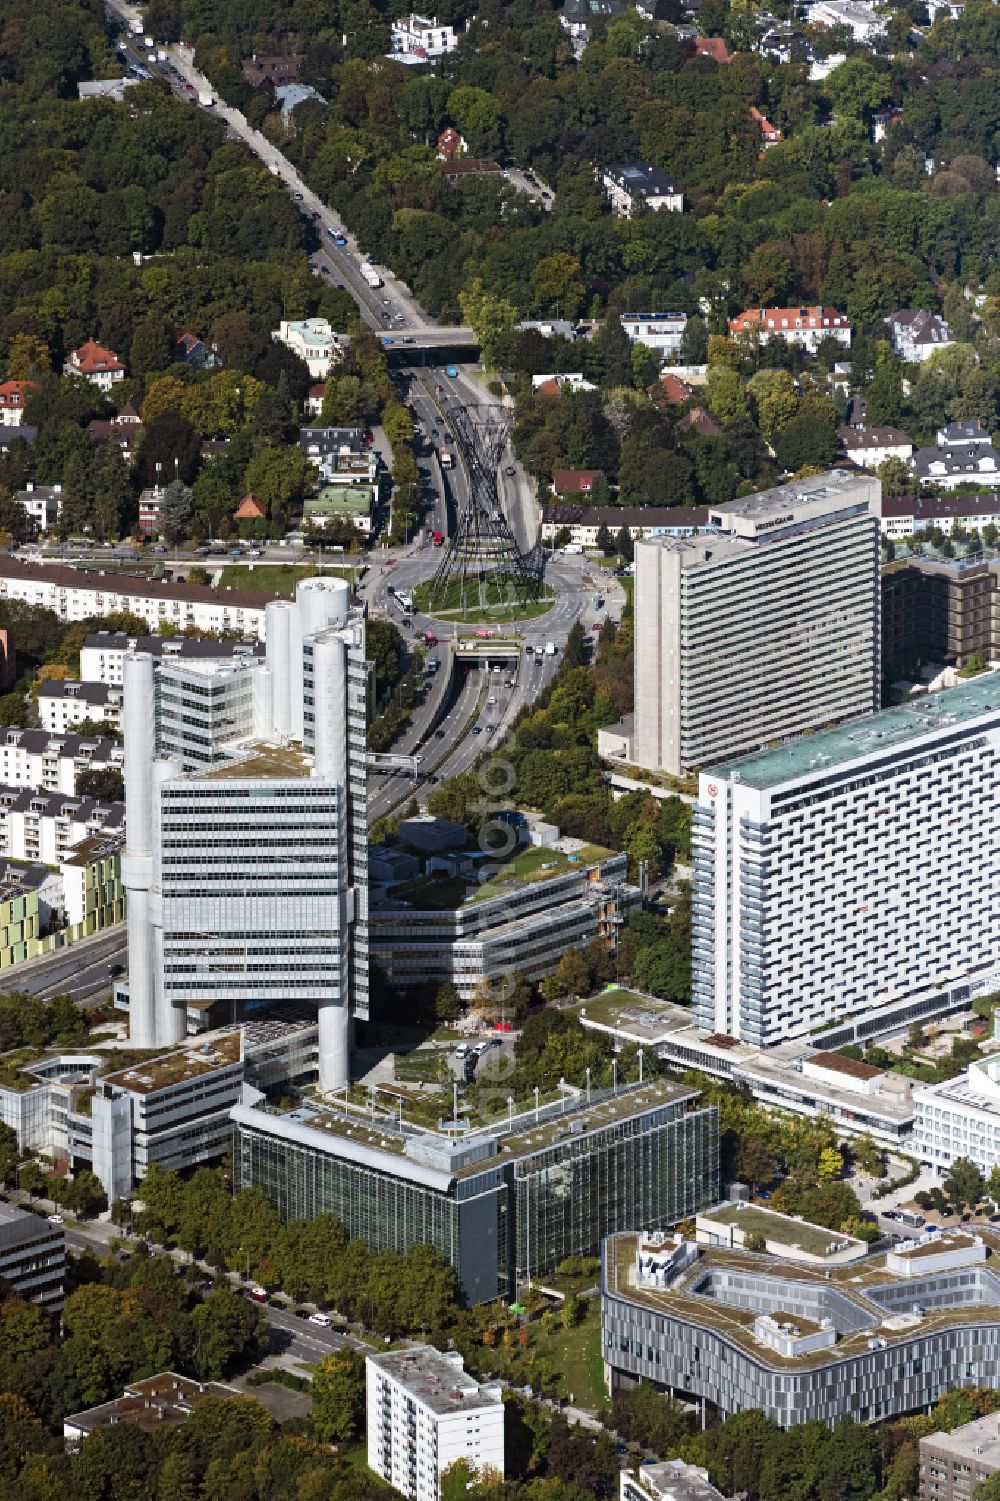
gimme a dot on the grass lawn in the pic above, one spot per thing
(356, 1456)
(564, 1361)
(275, 578)
(472, 603)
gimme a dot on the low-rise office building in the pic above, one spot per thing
(827, 1341)
(32, 1256)
(503, 1204)
(426, 1413)
(64, 703)
(960, 1118)
(820, 867)
(454, 928)
(790, 1076)
(668, 1480)
(154, 1405)
(77, 594)
(952, 1464)
(102, 656)
(99, 1110)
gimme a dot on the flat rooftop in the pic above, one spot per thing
(863, 1285)
(852, 1068)
(529, 866)
(783, 1229)
(192, 1061)
(633, 1015)
(978, 1440)
(859, 739)
(822, 492)
(522, 1139)
(152, 1405)
(434, 1380)
(934, 1245)
(262, 760)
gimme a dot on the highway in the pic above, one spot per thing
(391, 309)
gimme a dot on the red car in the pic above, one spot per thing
(596, 625)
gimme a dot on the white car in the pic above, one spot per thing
(322, 1319)
(55, 1219)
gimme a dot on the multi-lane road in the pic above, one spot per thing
(84, 970)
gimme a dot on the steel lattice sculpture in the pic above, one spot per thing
(483, 565)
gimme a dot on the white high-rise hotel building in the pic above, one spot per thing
(246, 819)
(767, 627)
(853, 875)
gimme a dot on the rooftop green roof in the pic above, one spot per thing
(860, 738)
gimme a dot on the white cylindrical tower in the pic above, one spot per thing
(139, 724)
(171, 1021)
(330, 707)
(322, 602)
(334, 1045)
(280, 617)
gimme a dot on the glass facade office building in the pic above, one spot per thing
(502, 1209)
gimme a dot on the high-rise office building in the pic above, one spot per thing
(764, 630)
(246, 849)
(851, 877)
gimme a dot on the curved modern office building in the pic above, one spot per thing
(867, 1340)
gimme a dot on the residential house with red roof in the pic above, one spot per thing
(12, 397)
(251, 508)
(100, 366)
(770, 135)
(805, 326)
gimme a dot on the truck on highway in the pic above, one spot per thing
(370, 275)
(550, 648)
(430, 639)
(438, 539)
(447, 460)
(206, 98)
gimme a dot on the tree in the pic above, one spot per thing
(806, 440)
(830, 1165)
(572, 974)
(754, 1163)
(175, 512)
(776, 399)
(14, 518)
(227, 1328)
(106, 784)
(964, 1184)
(84, 1194)
(282, 477)
(338, 1397)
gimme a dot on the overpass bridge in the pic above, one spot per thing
(430, 346)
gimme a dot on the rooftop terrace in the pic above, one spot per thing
(782, 1229)
(890, 729)
(184, 1063)
(263, 760)
(862, 1292)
